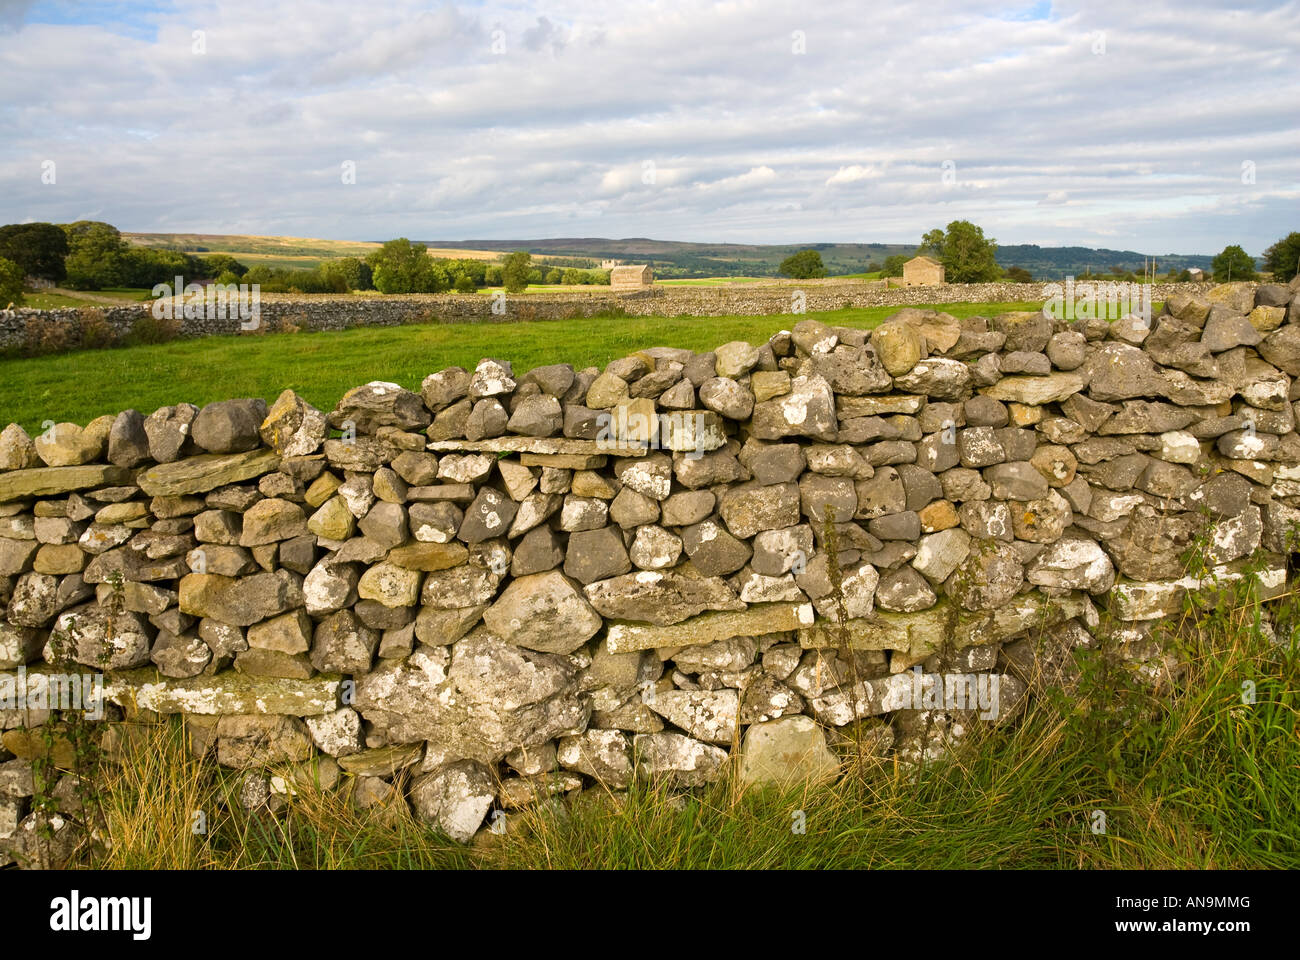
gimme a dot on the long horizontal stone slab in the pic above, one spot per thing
(761, 618)
(52, 481)
(924, 632)
(850, 408)
(551, 446)
(883, 631)
(457, 492)
(564, 461)
(225, 692)
(206, 472)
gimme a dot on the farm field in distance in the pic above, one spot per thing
(61, 297)
(714, 281)
(301, 253)
(321, 367)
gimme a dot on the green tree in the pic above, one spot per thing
(492, 276)
(349, 273)
(1282, 259)
(893, 266)
(966, 254)
(437, 279)
(463, 284)
(804, 265)
(147, 266)
(475, 270)
(323, 280)
(11, 283)
(932, 243)
(400, 266)
(38, 248)
(1233, 263)
(515, 271)
(555, 276)
(572, 276)
(218, 263)
(1019, 275)
(96, 255)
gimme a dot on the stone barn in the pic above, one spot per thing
(631, 277)
(921, 272)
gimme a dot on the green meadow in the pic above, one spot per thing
(321, 367)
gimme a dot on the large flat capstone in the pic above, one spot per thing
(226, 692)
(52, 481)
(206, 472)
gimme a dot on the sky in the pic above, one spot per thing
(1150, 126)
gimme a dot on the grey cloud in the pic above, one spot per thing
(544, 35)
(1144, 141)
(13, 13)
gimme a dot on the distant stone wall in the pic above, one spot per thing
(514, 585)
(323, 312)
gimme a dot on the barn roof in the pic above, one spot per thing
(634, 271)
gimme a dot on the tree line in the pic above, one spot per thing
(970, 257)
(966, 254)
(400, 266)
(93, 255)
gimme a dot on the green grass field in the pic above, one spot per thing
(90, 298)
(136, 294)
(54, 301)
(321, 367)
(715, 281)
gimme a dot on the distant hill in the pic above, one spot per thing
(670, 258)
(674, 258)
(1053, 263)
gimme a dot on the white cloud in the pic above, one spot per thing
(749, 140)
(749, 180)
(851, 175)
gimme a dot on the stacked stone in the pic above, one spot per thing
(291, 312)
(504, 587)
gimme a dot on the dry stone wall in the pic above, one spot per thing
(288, 312)
(514, 584)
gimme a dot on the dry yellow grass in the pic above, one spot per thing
(306, 249)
